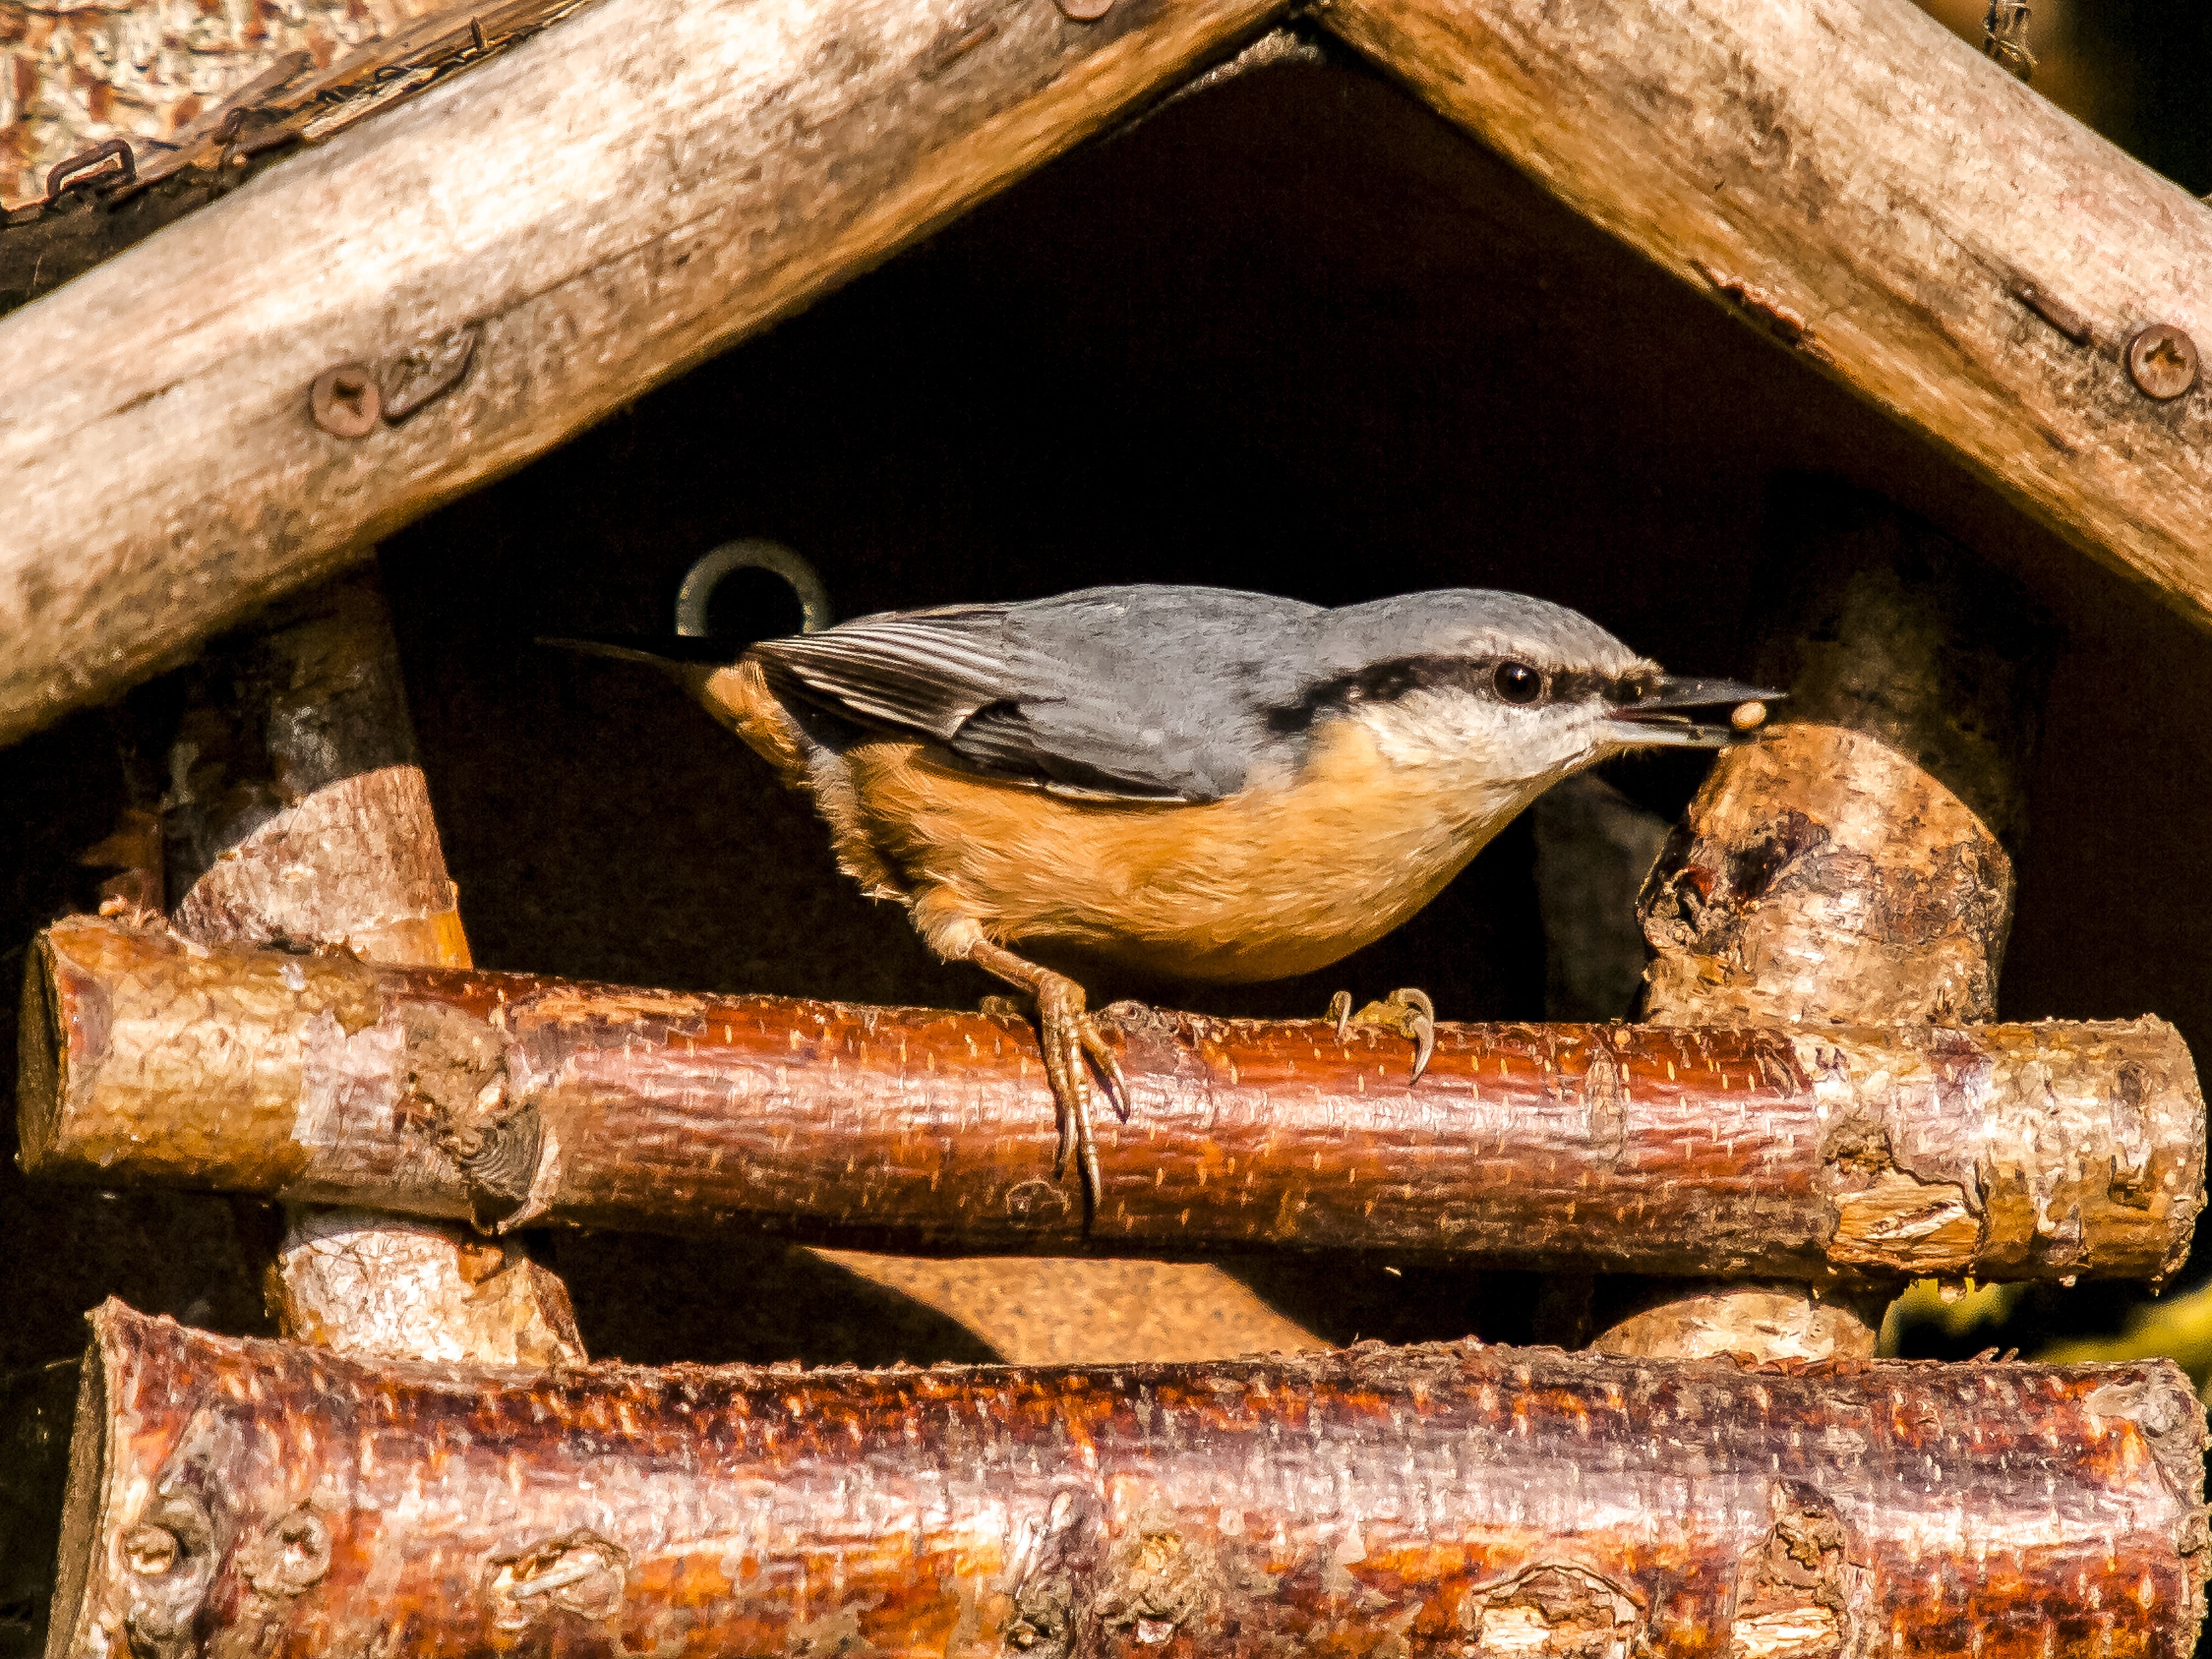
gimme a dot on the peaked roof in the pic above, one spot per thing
(525, 247)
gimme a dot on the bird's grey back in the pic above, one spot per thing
(1146, 692)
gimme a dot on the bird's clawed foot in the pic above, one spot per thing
(1408, 1013)
(1068, 1034)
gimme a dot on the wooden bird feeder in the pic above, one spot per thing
(1787, 337)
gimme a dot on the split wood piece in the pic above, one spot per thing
(297, 817)
(1852, 179)
(1853, 866)
(372, 1287)
(234, 1496)
(1835, 1155)
(667, 177)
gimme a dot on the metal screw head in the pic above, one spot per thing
(345, 401)
(2163, 362)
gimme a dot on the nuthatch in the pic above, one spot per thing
(1194, 781)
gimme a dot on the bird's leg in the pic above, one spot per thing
(1408, 1013)
(1067, 1033)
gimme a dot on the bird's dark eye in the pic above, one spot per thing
(1518, 683)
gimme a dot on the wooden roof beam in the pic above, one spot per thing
(1855, 180)
(592, 212)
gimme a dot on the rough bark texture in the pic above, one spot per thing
(1852, 865)
(605, 204)
(1857, 182)
(235, 1496)
(2004, 1152)
(297, 817)
(296, 814)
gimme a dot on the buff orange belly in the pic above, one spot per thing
(1282, 878)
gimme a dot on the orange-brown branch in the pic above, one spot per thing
(2004, 1152)
(243, 1497)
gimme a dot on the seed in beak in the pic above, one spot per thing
(1748, 716)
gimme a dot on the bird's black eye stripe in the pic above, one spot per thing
(1581, 688)
(1506, 679)
(1503, 679)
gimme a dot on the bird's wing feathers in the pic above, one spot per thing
(916, 672)
(1147, 694)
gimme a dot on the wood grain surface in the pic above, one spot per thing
(1858, 183)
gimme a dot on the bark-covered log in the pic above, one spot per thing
(1855, 865)
(222, 145)
(2004, 1152)
(609, 202)
(233, 1497)
(1856, 182)
(297, 816)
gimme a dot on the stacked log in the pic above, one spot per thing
(232, 1496)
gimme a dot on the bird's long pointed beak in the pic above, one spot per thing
(1670, 712)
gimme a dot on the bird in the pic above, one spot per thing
(1198, 782)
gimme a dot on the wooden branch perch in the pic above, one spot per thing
(594, 210)
(1853, 179)
(231, 1496)
(2004, 1152)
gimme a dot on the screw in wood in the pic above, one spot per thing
(2163, 362)
(345, 401)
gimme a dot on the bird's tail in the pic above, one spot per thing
(692, 663)
(725, 680)
(663, 650)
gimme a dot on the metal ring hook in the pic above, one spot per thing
(752, 553)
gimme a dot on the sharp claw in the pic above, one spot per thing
(1339, 1010)
(1094, 1184)
(1109, 1070)
(1423, 1033)
(1086, 1139)
(1417, 1019)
